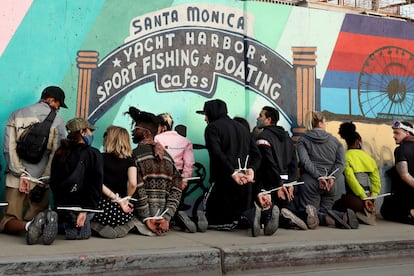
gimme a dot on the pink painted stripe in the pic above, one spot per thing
(12, 13)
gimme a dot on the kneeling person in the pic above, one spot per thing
(159, 183)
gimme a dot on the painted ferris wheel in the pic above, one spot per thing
(386, 84)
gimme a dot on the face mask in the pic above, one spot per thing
(88, 139)
(259, 123)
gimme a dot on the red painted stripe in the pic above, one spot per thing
(351, 50)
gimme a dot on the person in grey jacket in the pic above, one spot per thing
(321, 162)
(19, 172)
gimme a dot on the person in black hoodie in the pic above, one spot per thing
(278, 166)
(86, 188)
(234, 157)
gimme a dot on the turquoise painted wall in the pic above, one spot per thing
(43, 37)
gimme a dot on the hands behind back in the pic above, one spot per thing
(158, 226)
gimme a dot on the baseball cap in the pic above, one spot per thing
(202, 112)
(77, 124)
(55, 93)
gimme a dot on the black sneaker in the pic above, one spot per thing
(35, 228)
(71, 232)
(85, 232)
(185, 222)
(50, 229)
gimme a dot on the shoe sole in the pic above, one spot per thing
(188, 223)
(142, 228)
(338, 221)
(312, 215)
(286, 213)
(104, 231)
(85, 232)
(272, 226)
(366, 219)
(202, 223)
(50, 229)
(255, 230)
(352, 219)
(35, 229)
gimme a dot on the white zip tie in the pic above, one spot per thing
(378, 196)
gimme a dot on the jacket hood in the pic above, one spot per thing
(215, 109)
(317, 135)
(278, 131)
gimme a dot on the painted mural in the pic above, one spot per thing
(172, 56)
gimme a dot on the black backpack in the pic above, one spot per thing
(32, 143)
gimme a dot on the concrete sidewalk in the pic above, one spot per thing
(210, 253)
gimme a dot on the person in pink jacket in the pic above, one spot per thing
(179, 147)
(181, 150)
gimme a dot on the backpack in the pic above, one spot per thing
(32, 143)
(74, 182)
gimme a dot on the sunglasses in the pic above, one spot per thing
(398, 124)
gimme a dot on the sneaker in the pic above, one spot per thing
(50, 228)
(35, 228)
(366, 217)
(142, 228)
(71, 233)
(202, 223)
(255, 227)
(352, 219)
(273, 224)
(224, 227)
(185, 222)
(85, 232)
(103, 231)
(123, 230)
(334, 219)
(312, 219)
(293, 220)
(69, 224)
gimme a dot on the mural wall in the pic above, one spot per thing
(172, 56)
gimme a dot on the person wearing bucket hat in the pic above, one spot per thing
(76, 179)
(77, 124)
(21, 173)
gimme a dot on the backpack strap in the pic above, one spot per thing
(51, 117)
(48, 122)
